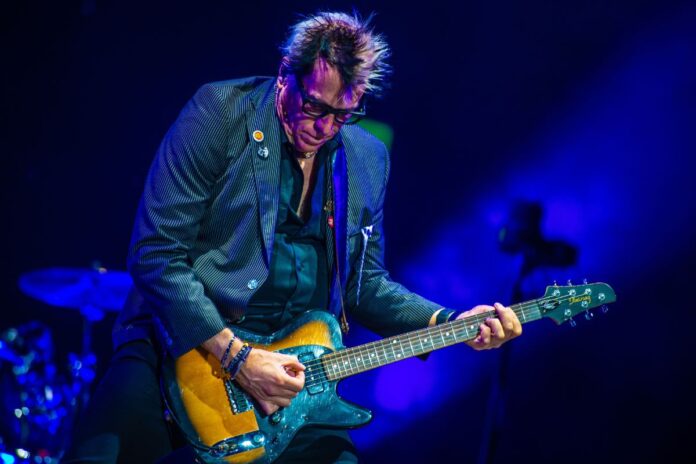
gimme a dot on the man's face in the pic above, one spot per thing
(324, 86)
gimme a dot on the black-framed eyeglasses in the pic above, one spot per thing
(317, 110)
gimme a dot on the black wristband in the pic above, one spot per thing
(235, 365)
(445, 315)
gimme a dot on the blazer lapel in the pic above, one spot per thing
(264, 133)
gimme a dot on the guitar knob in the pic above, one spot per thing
(572, 322)
(555, 284)
(588, 315)
(275, 417)
(605, 309)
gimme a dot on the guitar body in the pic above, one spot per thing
(222, 421)
(223, 425)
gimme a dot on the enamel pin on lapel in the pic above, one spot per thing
(258, 135)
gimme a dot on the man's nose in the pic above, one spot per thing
(325, 125)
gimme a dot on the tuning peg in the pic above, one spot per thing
(570, 283)
(605, 309)
(572, 322)
(584, 281)
(555, 284)
(588, 315)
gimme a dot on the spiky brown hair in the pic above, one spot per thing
(346, 42)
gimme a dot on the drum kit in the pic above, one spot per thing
(41, 396)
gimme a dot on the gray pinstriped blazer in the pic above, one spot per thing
(203, 233)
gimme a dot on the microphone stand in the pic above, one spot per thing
(522, 235)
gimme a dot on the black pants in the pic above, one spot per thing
(124, 422)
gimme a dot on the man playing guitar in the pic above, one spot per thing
(264, 201)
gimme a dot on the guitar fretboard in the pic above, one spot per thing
(344, 363)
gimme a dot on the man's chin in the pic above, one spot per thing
(304, 147)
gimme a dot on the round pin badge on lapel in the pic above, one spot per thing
(263, 152)
(258, 135)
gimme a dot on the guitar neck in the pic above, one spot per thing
(351, 361)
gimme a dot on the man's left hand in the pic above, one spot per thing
(493, 332)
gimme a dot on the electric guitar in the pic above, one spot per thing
(223, 424)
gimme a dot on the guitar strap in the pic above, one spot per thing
(336, 209)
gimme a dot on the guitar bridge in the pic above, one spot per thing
(236, 445)
(239, 402)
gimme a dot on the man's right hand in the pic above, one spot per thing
(273, 379)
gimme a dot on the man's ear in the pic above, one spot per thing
(283, 71)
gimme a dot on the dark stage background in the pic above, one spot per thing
(586, 107)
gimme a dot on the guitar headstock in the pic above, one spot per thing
(562, 302)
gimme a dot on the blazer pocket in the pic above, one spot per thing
(358, 247)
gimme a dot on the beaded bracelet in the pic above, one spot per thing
(227, 351)
(235, 365)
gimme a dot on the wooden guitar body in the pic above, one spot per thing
(224, 419)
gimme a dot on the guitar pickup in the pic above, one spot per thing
(314, 382)
(315, 379)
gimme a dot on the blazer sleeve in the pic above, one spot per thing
(374, 299)
(178, 188)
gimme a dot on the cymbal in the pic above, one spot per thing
(76, 288)
(8, 354)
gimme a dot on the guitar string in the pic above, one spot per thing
(370, 349)
(524, 308)
(352, 353)
(352, 357)
(345, 358)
